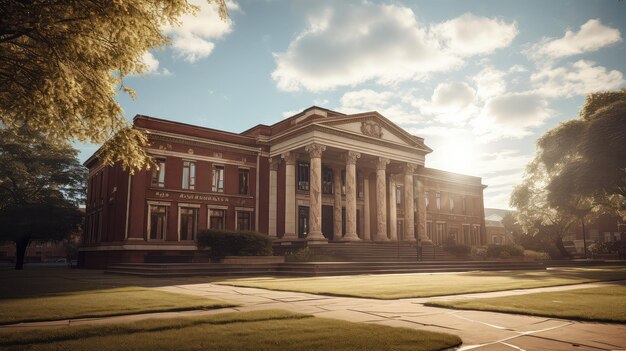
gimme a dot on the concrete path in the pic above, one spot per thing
(479, 330)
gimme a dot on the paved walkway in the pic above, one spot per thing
(479, 330)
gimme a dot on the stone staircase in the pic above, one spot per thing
(380, 252)
(164, 270)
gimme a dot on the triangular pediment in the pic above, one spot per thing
(374, 125)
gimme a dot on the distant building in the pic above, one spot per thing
(316, 177)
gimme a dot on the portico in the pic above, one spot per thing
(345, 179)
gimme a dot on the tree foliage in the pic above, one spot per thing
(588, 156)
(41, 186)
(62, 63)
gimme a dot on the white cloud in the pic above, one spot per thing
(473, 35)
(151, 64)
(387, 103)
(194, 38)
(511, 116)
(579, 78)
(453, 97)
(592, 36)
(489, 83)
(353, 43)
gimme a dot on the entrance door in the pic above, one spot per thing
(327, 222)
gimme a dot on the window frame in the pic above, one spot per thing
(152, 204)
(158, 173)
(303, 176)
(196, 210)
(224, 210)
(250, 212)
(246, 187)
(217, 184)
(189, 179)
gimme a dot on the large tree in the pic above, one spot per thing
(535, 214)
(62, 63)
(41, 186)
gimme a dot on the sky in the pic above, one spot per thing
(480, 81)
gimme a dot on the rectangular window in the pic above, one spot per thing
(451, 203)
(327, 180)
(189, 175)
(426, 198)
(158, 222)
(303, 176)
(438, 199)
(441, 232)
(217, 219)
(463, 203)
(399, 195)
(244, 181)
(188, 223)
(218, 179)
(244, 220)
(158, 173)
(343, 182)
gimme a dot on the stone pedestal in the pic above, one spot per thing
(315, 192)
(351, 158)
(381, 199)
(290, 195)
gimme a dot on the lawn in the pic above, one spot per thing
(395, 286)
(258, 330)
(52, 294)
(606, 304)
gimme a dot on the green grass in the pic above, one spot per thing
(395, 286)
(606, 304)
(53, 294)
(259, 330)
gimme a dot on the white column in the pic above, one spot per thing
(351, 186)
(273, 196)
(393, 218)
(421, 212)
(337, 225)
(381, 199)
(366, 209)
(409, 200)
(315, 191)
(290, 195)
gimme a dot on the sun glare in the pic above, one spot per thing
(456, 154)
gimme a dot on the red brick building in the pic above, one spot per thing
(315, 177)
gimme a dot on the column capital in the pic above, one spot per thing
(290, 157)
(382, 163)
(409, 168)
(315, 150)
(274, 162)
(351, 157)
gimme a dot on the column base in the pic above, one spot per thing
(351, 237)
(289, 236)
(381, 238)
(410, 239)
(315, 236)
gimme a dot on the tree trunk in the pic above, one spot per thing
(558, 242)
(20, 251)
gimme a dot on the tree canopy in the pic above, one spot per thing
(41, 186)
(62, 63)
(588, 155)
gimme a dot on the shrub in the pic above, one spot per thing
(458, 250)
(307, 255)
(504, 251)
(536, 255)
(231, 243)
(478, 252)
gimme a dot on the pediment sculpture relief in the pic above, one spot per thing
(371, 128)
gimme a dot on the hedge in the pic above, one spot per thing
(505, 251)
(234, 243)
(458, 250)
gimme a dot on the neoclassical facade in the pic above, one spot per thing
(317, 177)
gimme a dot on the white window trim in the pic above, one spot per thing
(213, 166)
(184, 205)
(242, 209)
(216, 207)
(156, 203)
